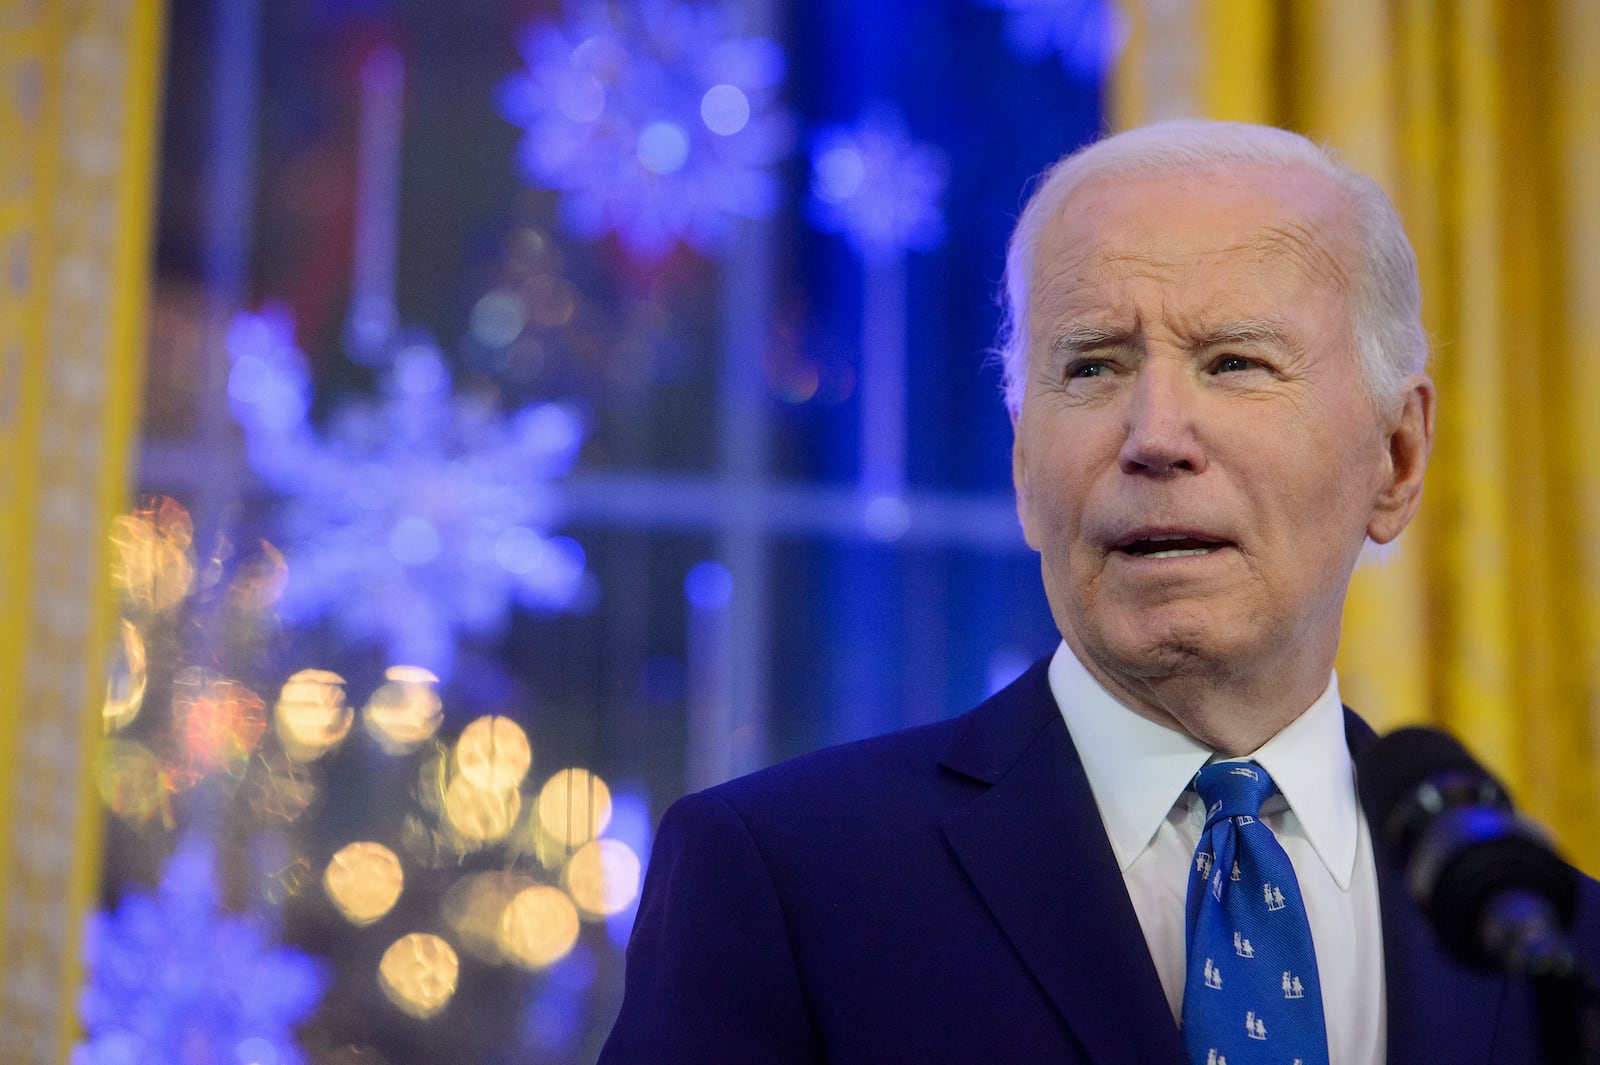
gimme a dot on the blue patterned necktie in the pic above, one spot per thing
(1252, 995)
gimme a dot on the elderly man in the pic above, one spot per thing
(1214, 364)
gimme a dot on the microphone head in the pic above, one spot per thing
(1466, 855)
(1392, 770)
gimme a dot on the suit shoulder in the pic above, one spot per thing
(860, 768)
(900, 778)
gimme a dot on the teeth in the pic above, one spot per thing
(1182, 552)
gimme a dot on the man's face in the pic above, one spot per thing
(1196, 459)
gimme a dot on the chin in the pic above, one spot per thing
(1171, 656)
(1153, 645)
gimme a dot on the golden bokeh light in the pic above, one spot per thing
(364, 881)
(218, 723)
(152, 557)
(418, 974)
(480, 815)
(312, 716)
(494, 753)
(404, 713)
(474, 905)
(539, 926)
(574, 807)
(126, 679)
(131, 781)
(410, 675)
(603, 877)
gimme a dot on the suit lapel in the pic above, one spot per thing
(1438, 1009)
(1034, 848)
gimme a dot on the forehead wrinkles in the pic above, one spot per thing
(1074, 278)
(1067, 278)
(1305, 245)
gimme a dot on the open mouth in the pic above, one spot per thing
(1174, 546)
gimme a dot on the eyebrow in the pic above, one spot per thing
(1088, 337)
(1244, 331)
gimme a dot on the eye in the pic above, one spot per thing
(1088, 368)
(1234, 364)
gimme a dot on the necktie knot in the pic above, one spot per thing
(1233, 789)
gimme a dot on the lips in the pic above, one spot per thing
(1159, 544)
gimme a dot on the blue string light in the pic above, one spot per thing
(413, 519)
(875, 185)
(174, 977)
(653, 120)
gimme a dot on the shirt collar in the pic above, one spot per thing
(1139, 769)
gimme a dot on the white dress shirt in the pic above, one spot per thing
(1141, 772)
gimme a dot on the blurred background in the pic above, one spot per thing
(434, 437)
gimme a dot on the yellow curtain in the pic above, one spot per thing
(78, 83)
(1482, 119)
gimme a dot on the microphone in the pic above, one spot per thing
(1489, 881)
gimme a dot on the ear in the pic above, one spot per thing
(1409, 441)
(1019, 479)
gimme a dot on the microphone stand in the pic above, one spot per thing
(1523, 931)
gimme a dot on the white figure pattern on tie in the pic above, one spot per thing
(1275, 985)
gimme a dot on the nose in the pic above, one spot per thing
(1159, 432)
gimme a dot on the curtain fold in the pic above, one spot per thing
(78, 86)
(1482, 119)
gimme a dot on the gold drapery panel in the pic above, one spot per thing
(1482, 119)
(78, 86)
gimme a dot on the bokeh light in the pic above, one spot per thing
(474, 906)
(480, 815)
(217, 723)
(574, 807)
(364, 881)
(418, 973)
(539, 926)
(312, 716)
(405, 712)
(127, 677)
(131, 781)
(603, 877)
(725, 109)
(493, 753)
(152, 556)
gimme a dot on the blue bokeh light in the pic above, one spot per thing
(708, 586)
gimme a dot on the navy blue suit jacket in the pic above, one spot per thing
(948, 895)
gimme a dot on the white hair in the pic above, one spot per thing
(1386, 296)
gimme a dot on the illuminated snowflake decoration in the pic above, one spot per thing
(876, 186)
(413, 519)
(652, 120)
(1085, 35)
(174, 977)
